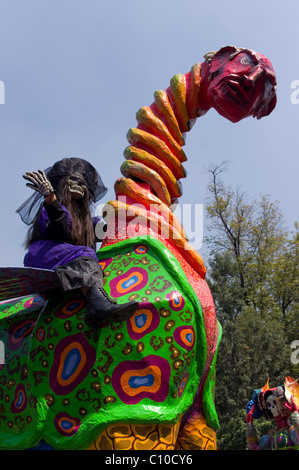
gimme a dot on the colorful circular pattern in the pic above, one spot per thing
(136, 380)
(18, 332)
(40, 334)
(35, 302)
(141, 249)
(144, 320)
(70, 308)
(66, 425)
(19, 402)
(73, 359)
(133, 280)
(83, 378)
(176, 300)
(183, 384)
(185, 337)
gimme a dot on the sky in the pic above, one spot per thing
(73, 75)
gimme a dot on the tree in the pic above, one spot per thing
(253, 273)
(253, 237)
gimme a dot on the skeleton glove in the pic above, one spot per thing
(39, 182)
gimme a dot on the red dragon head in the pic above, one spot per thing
(239, 83)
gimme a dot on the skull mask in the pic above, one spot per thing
(77, 186)
(271, 404)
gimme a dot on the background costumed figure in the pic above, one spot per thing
(280, 405)
(69, 386)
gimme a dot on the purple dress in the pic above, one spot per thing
(51, 247)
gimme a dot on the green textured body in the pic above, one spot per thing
(64, 384)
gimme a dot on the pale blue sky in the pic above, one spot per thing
(75, 73)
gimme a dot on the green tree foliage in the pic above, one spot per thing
(253, 274)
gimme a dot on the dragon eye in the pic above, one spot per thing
(245, 61)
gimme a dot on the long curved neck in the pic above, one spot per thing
(153, 165)
(155, 155)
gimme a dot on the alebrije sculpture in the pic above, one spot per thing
(68, 387)
(280, 405)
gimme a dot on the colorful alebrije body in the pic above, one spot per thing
(147, 383)
(60, 380)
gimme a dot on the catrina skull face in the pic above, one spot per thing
(271, 404)
(77, 186)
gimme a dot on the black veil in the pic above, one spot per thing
(65, 167)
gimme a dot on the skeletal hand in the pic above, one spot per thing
(39, 182)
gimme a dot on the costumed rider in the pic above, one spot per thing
(63, 238)
(280, 405)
